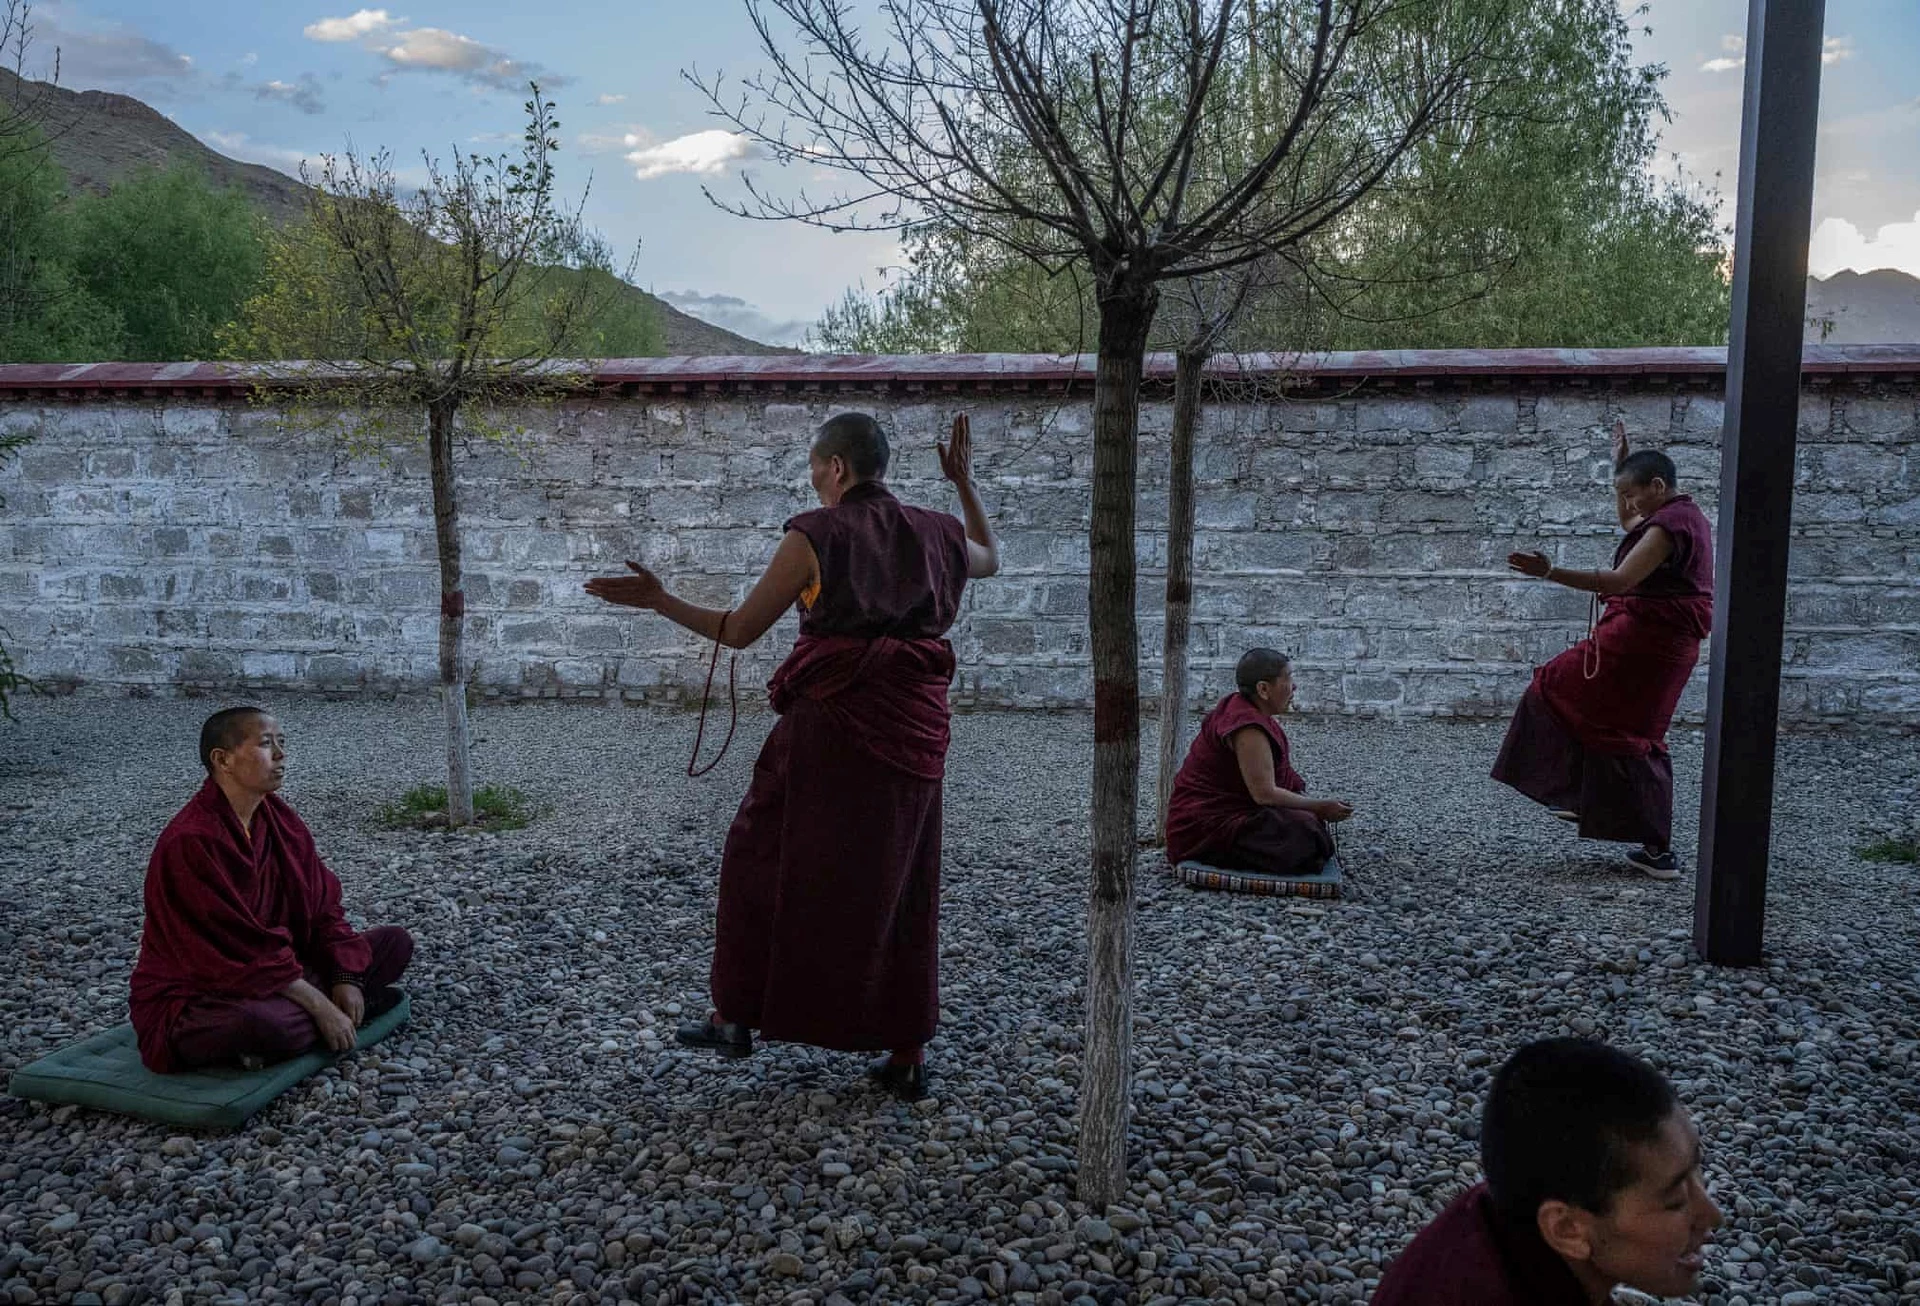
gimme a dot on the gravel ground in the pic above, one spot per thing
(1308, 1080)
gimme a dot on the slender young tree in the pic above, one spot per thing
(1143, 172)
(476, 291)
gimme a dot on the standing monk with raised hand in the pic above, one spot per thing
(828, 929)
(1589, 739)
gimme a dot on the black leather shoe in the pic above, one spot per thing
(908, 1083)
(730, 1041)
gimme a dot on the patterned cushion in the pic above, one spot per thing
(1324, 885)
(105, 1072)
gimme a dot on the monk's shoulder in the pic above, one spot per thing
(192, 844)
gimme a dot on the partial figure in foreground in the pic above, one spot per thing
(1589, 739)
(1237, 802)
(246, 956)
(1592, 1181)
(828, 929)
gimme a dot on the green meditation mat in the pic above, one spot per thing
(1326, 884)
(105, 1072)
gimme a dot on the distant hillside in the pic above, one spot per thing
(1866, 308)
(100, 137)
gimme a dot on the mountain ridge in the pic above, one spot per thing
(102, 137)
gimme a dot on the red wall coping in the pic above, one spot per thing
(1014, 371)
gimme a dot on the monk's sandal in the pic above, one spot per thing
(908, 1083)
(729, 1040)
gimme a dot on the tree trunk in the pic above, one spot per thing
(453, 611)
(1126, 315)
(1173, 661)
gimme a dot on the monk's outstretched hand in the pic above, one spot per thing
(956, 456)
(1332, 809)
(1536, 565)
(640, 590)
(1620, 447)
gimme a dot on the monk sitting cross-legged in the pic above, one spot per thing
(1589, 739)
(246, 956)
(1237, 802)
(828, 927)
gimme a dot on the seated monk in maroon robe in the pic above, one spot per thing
(246, 957)
(828, 929)
(1592, 1180)
(1237, 802)
(1589, 739)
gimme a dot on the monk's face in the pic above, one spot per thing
(257, 762)
(1652, 1234)
(1633, 502)
(829, 477)
(1276, 695)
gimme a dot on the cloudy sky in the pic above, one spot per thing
(276, 82)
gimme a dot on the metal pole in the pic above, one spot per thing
(1771, 228)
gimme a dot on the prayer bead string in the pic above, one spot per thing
(706, 696)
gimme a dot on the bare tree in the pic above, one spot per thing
(1147, 169)
(477, 290)
(23, 101)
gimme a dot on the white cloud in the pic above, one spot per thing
(702, 153)
(738, 316)
(430, 50)
(238, 145)
(1837, 244)
(604, 100)
(1722, 65)
(1835, 49)
(304, 95)
(351, 28)
(1832, 51)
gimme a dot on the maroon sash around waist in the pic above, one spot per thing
(889, 695)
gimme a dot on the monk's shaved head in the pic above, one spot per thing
(1644, 466)
(224, 729)
(1258, 664)
(857, 440)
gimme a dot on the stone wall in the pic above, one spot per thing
(178, 540)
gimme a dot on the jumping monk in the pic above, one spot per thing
(246, 956)
(828, 929)
(1589, 739)
(1237, 802)
(1592, 1180)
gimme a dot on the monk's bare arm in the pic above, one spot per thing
(956, 464)
(1255, 755)
(793, 568)
(336, 1027)
(1654, 548)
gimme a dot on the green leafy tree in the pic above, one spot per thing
(442, 307)
(46, 316)
(174, 257)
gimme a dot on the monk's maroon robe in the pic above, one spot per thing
(829, 911)
(1590, 734)
(233, 917)
(1213, 818)
(1468, 1256)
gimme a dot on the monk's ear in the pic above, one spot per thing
(1566, 1228)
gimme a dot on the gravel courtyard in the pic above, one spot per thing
(1308, 1079)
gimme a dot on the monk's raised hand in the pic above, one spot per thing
(352, 1001)
(1530, 564)
(640, 590)
(336, 1029)
(956, 456)
(1620, 446)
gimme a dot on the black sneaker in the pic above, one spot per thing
(712, 1035)
(1655, 866)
